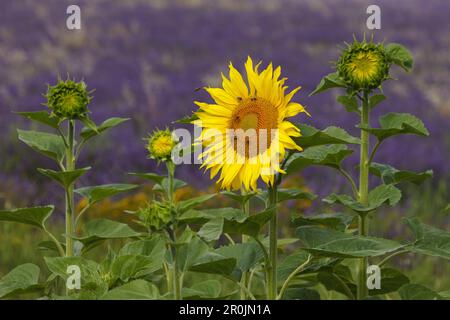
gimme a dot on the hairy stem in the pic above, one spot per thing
(292, 275)
(70, 165)
(245, 275)
(273, 239)
(362, 291)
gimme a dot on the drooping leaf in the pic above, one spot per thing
(190, 253)
(399, 55)
(397, 123)
(22, 279)
(35, 216)
(330, 156)
(133, 266)
(88, 132)
(377, 197)
(332, 243)
(334, 281)
(337, 221)
(89, 124)
(390, 175)
(133, 290)
(64, 178)
(99, 230)
(149, 176)
(417, 292)
(247, 255)
(350, 103)
(50, 245)
(331, 80)
(429, 240)
(290, 263)
(209, 289)
(331, 135)
(391, 280)
(42, 117)
(98, 193)
(48, 144)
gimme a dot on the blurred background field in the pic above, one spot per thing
(145, 58)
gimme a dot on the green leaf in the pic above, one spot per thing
(154, 247)
(400, 56)
(390, 175)
(301, 294)
(289, 264)
(42, 117)
(36, 216)
(204, 215)
(99, 230)
(429, 240)
(48, 144)
(337, 221)
(330, 156)
(185, 205)
(331, 80)
(332, 243)
(89, 124)
(222, 266)
(377, 197)
(209, 289)
(350, 103)
(241, 198)
(251, 226)
(188, 119)
(375, 99)
(247, 255)
(156, 178)
(64, 178)
(126, 267)
(98, 193)
(391, 280)
(289, 194)
(397, 123)
(417, 292)
(211, 230)
(134, 290)
(164, 186)
(331, 135)
(333, 281)
(21, 279)
(88, 132)
(90, 270)
(190, 253)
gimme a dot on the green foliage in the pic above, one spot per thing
(36, 216)
(331, 135)
(48, 144)
(22, 279)
(390, 175)
(64, 178)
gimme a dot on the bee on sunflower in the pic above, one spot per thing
(245, 132)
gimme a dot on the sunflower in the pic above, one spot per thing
(245, 132)
(363, 65)
(160, 145)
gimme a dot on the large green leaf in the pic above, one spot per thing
(332, 243)
(209, 289)
(42, 117)
(375, 99)
(36, 216)
(214, 265)
(89, 132)
(250, 226)
(429, 240)
(290, 263)
(211, 230)
(397, 123)
(391, 280)
(331, 80)
(330, 156)
(241, 198)
(390, 175)
(134, 290)
(204, 215)
(301, 294)
(98, 193)
(50, 145)
(154, 247)
(191, 252)
(398, 54)
(22, 279)
(331, 135)
(338, 281)
(417, 292)
(64, 178)
(156, 178)
(126, 267)
(337, 221)
(99, 230)
(247, 255)
(377, 197)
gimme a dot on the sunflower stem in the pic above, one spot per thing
(244, 277)
(272, 270)
(176, 281)
(363, 228)
(70, 165)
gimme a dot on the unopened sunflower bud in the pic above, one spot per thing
(160, 145)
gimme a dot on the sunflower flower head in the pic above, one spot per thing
(363, 65)
(68, 99)
(160, 145)
(156, 215)
(245, 131)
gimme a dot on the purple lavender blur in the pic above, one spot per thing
(145, 59)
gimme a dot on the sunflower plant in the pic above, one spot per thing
(361, 72)
(68, 103)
